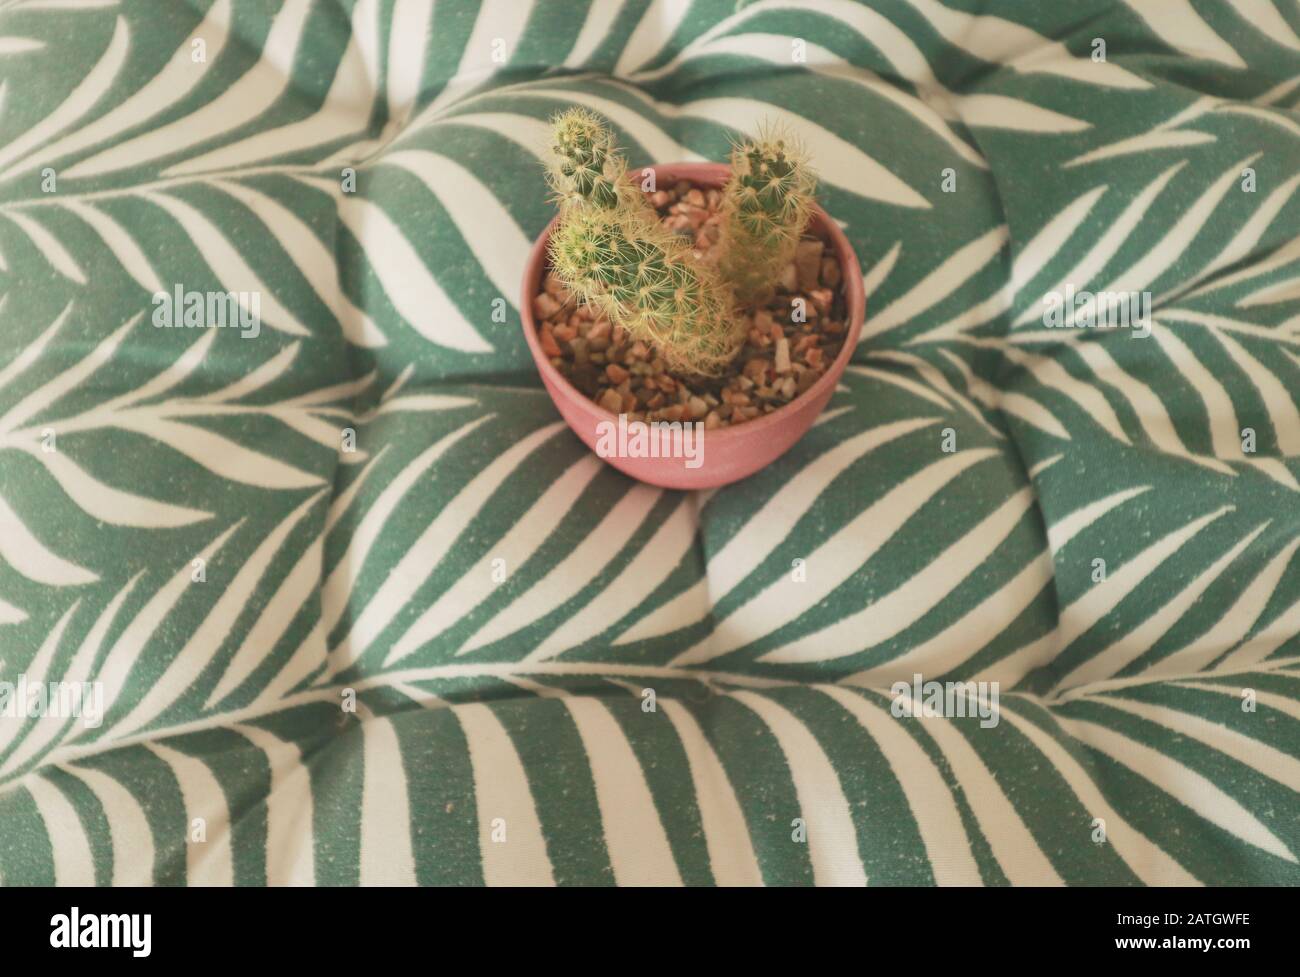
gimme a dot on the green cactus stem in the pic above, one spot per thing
(766, 206)
(645, 279)
(584, 168)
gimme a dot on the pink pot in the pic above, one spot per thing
(731, 453)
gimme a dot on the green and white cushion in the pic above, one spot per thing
(363, 610)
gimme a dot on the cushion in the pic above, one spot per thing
(352, 605)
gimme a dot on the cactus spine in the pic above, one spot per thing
(766, 206)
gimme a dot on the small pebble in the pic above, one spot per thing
(611, 401)
(808, 263)
(782, 355)
(545, 306)
(830, 272)
(549, 345)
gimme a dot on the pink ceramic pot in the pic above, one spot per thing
(731, 453)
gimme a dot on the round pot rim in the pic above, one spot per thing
(713, 175)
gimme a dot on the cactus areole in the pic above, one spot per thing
(699, 309)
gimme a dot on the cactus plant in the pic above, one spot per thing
(767, 204)
(583, 168)
(612, 252)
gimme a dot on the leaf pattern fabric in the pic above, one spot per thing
(374, 498)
